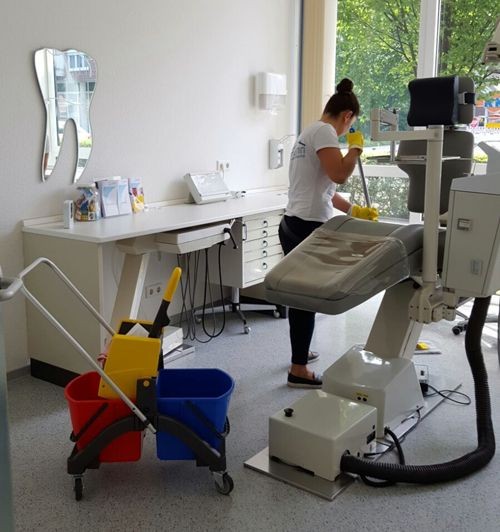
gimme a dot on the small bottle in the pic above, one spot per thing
(68, 214)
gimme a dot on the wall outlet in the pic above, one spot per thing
(422, 372)
(223, 165)
(152, 290)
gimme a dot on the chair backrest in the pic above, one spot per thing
(456, 143)
(449, 101)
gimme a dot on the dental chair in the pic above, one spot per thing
(373, 389)
(458, 151)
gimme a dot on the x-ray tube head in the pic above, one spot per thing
(67, 82)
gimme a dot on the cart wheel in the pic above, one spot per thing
(247, 329)
(225, 485)
(78, 488)
(276, 314)
(456, 330)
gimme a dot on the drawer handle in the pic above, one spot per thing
(264, 265)
(265, 223)
(264, 233)
(264, 244)
(264, 253)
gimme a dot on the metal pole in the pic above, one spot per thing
(363, 182)
(6, 507)
(431, 204)
(89, 359)
(18, 283)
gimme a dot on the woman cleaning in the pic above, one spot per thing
(317, 166)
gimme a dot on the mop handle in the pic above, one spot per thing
(161, 319)
(19, 283)
(363, 182)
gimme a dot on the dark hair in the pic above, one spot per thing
(343, 100)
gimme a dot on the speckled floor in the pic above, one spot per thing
(154, 495)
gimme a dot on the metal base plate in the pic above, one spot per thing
(325, 488)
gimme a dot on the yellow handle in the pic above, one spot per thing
(172, 284)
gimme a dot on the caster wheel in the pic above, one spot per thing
(456, 330)
(225, 485)
(276, 314)
(246, 329)
(78, 488)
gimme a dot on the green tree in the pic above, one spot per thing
(377, 47)
(466, 26)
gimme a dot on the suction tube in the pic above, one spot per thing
(467, 464)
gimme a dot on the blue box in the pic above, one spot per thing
(208, 389)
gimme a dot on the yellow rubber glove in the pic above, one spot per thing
(364, 213)
(355, 139)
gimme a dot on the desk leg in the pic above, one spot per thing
(130, 288)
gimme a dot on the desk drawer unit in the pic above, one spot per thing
(258, 250)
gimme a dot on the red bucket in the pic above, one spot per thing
(83, 401)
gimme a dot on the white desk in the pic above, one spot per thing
(85, 254)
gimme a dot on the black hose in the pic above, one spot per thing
(467, 464)
(401, 458)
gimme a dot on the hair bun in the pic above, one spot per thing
(346, 85)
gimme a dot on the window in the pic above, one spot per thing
(466, 26)
(77, 62)
(377, 47)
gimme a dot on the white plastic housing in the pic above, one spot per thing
(271, 90)
(390, 385)
(320, 430)
(472, 251)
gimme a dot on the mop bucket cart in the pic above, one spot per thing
(110, 426)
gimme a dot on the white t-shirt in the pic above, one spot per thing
(311, 190)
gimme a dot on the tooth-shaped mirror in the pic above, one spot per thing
(67, 82)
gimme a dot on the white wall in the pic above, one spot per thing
(174, 93)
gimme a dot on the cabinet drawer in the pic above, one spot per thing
(261, 253)
(257, 269)
(261, 243)
(265, 232)
(263, 222)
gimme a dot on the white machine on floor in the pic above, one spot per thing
(424, 269)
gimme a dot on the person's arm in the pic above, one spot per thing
(340, 203)
(336, 166)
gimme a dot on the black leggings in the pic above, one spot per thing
(292, 232)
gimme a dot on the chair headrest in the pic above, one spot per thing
(447, 101)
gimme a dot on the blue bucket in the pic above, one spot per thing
(209, 390)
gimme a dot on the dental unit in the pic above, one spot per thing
(373, 391)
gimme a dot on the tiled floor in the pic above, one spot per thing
(155, 495)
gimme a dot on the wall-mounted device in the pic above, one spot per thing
(207, 187)
(276, 154)
(271, 91)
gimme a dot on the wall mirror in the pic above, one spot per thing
(67, 82)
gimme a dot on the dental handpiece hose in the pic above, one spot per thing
(161, 319)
